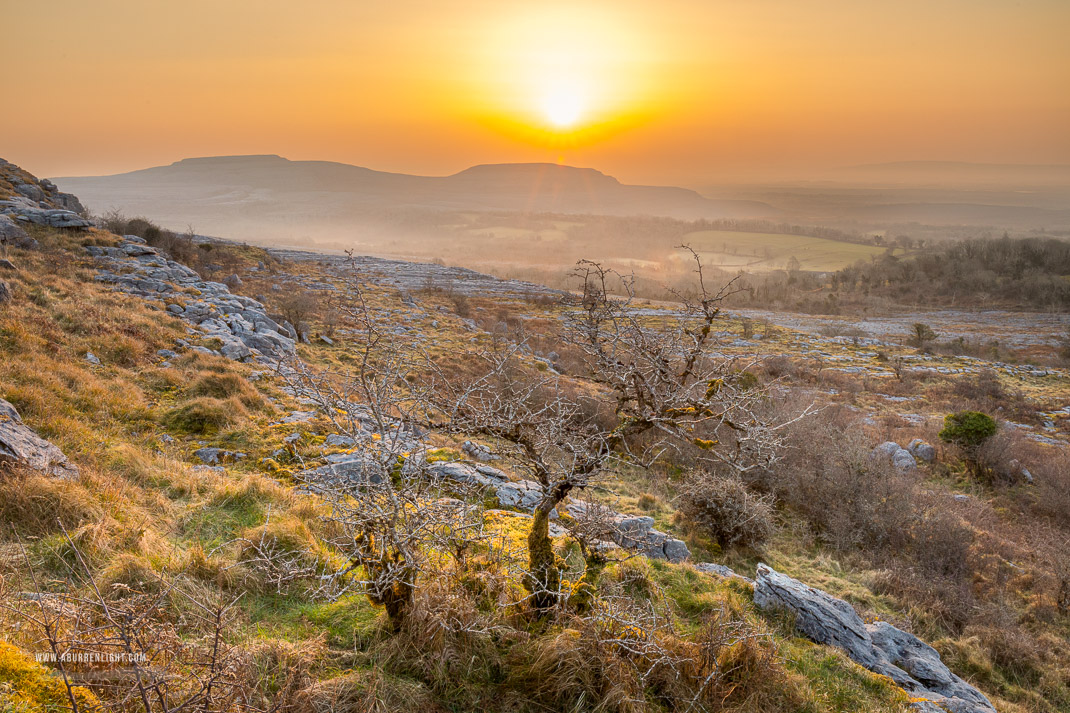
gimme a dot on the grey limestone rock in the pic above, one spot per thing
(53, 217)
(922, 450)
(720, 570)
(215, 456)
(19, 444)
(629, 531)
(898, 456)
(911, 663)
(523, 495)
(11, 233)
(240, 323)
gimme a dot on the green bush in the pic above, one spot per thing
(969, 430)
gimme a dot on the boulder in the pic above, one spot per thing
(215, 456)
(19, 444)
(337, 440)
(892, 452)
(137, 249)
(353, 468)
(922, 450)
(880, 647)
(6, 264)
(69, 202)
(720, 570)
(54, 217)
(232, 281)
(903, 461)
(477, 451)
(11, 233)
(523, 495)
(5, 292)
(31, 191)
(463, 473)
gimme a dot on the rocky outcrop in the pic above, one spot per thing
(409, 277)
(241, 325)
(631, 532)
(20, 445)
(36, 194)
(900, 458)
(880, 647)
(216, 456)
(11, 233)
(24, 210)
(477, 451)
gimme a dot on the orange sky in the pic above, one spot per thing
(668, 91)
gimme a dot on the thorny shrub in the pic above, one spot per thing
(723, 507)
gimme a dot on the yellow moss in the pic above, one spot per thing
(436, 455)
(27, 685)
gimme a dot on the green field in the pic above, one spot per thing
(772, 251)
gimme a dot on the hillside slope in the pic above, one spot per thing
(192, 501)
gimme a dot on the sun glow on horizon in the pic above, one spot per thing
(563, 105)
(562, 75)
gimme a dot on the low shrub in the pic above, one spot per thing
(726, 510)
(969, 431)
(1051, 476)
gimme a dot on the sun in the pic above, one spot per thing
(561, 74)
(562, 105)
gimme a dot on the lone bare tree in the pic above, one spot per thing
(657, 387)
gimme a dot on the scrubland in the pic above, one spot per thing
(223, 567)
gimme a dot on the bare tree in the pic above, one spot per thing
(389, 510)
(655, 379)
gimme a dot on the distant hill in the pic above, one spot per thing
(270, 196)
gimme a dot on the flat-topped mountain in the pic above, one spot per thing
(244, 196)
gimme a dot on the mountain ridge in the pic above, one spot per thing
(207, 188)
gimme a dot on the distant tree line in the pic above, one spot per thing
(1033, 272)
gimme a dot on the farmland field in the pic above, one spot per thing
(772, 251)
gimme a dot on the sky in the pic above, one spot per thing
(672, 91)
